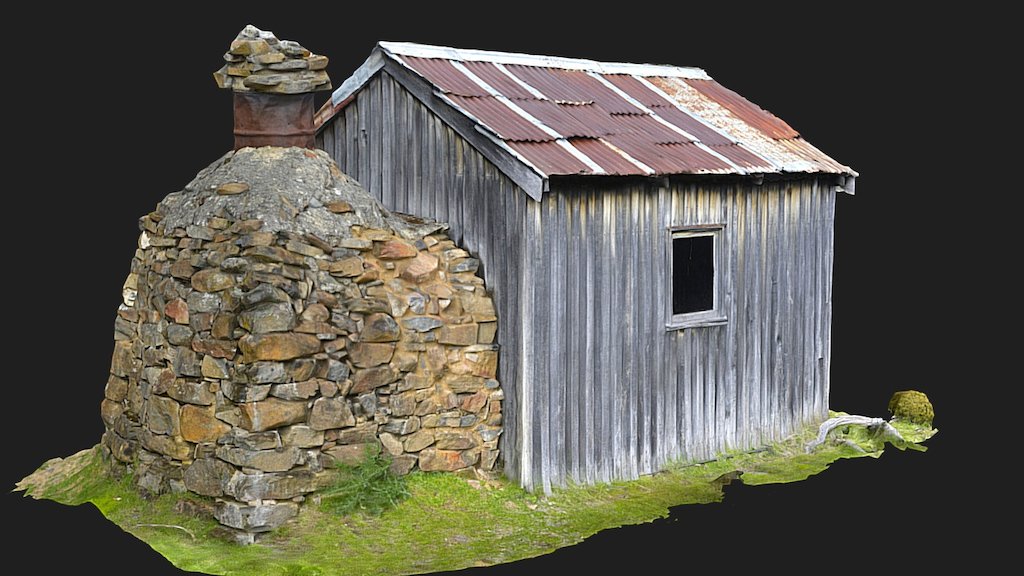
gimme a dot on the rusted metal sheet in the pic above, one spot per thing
(612, 161)
(746, 110)
(273, 120)
(561, 119)
(635, 118)
(442, 74)
(550, 157)
(500, 119)
(502, 82)
(742, 157)
(572, 86)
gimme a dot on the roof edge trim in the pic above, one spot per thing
(373, 63)
(472, 55)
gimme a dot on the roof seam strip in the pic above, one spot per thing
(629, 158)
(536, 93)
(559, 139)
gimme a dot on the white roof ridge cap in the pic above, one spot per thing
(473, 55)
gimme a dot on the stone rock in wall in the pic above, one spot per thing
(271, 413)
(191, 392)
(207, 476)
(260, 518)
(278, 346)
(454, 439)
(436, 460)
(365, 433)
(419, 440)
(266, 373)
(402, 465)
(330, 413)
(296, 390)
(351, 454)
(266, 440)
(217, 348)
(214, 368)
(302, 436)
(271, 317)
(370, 378)
(277, 460)
(242, 393)
(199, 424)
(370, 354)
(116, 389)
(171, 446)
(212, 280)
(458, 334)
(420, 268)
(380, 328)
(270, 486)
(163, 416)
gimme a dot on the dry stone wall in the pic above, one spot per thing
(260, 342)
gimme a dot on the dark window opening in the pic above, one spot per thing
(693, 274)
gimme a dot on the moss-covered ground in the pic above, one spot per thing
(446, 523)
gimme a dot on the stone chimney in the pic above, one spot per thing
(273, 83)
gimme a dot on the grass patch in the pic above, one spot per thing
(368, 487)
(445, 523)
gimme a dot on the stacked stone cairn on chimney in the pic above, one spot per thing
(278, 320)
(258, 61)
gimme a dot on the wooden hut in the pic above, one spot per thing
(659, 248)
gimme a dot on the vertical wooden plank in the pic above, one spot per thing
(387, 135)
(573, 338)
(625, 292)
(670, 447)
(588, 230)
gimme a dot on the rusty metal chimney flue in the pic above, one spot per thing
(273, 83)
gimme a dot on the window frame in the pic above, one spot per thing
(716, 315)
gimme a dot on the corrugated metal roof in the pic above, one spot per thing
(565, 116)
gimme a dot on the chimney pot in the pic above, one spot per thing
(273, 83)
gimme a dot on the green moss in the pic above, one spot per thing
(912, 406)
(446, 523)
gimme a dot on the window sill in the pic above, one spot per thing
(697, 321)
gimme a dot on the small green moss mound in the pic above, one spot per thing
(912, 406)
(369, 487)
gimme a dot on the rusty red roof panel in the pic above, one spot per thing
(691, 125)
(594, 116)
(608, 159)
(442, 74)
(498, 80)
(560, 119)
(642, 94)
(550, 158)
(572, 86)
(746, 110)
(500, 118)
(644, 126)
(743, 158)
(673, 158)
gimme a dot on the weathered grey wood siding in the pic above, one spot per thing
(596, 387)
(413, 162)
(607, 392)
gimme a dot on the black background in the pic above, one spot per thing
(108, 112)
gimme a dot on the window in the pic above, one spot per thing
(696, 266)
